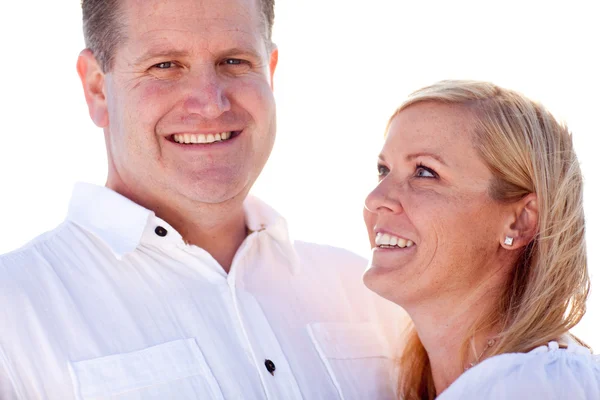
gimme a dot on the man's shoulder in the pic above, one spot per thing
(326, 255)
(29, 255)
(331, 264)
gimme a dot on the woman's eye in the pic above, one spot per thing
(425, 172)
(382, 170)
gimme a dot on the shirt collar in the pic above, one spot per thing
(114, 219)
(261, 217)
(123, 225)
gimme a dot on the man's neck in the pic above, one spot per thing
(219, 229)
(221, 238)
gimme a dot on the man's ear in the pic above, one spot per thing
(273, 63)
(92, 79)
(522, 223)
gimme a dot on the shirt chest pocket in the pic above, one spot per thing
(173, 370)
(356, 359)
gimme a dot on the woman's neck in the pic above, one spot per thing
(446, 322)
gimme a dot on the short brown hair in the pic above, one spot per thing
(103, 29)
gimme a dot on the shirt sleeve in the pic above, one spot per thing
(7, 391)
(553, 375)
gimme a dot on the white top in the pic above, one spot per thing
(107, 306)
(545, 373)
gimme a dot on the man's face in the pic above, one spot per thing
(188, 73)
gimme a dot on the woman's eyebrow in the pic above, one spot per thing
(435, 156)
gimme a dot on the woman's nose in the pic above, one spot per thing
(383, 199)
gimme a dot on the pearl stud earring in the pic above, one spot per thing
(508, 241)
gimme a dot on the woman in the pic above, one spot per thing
(477, 231)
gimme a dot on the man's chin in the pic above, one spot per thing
(214, 192)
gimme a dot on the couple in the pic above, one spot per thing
(172, 283)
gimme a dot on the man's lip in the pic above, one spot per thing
(201, 132)
(235, 132)
(171, 137)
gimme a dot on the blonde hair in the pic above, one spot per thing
(528, 151)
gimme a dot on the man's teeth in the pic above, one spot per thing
(387, 240)
(189, 138)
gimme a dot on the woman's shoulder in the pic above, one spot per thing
(547, 372)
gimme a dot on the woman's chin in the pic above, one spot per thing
(383, 280)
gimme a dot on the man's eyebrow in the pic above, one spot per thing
(173, 54)
(435, 156)
(166, 54)
(237, 51)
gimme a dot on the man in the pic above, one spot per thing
(169, 283)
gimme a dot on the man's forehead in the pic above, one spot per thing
(154, 26)
(187, 13)
(180, 44)
(228, 36)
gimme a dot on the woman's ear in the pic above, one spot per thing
(522, 223)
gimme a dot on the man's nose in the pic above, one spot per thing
(207, 96)
(383, 199)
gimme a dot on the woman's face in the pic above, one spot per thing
(434, 229)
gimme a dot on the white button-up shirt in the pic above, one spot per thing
(545, 373)
(112, 304)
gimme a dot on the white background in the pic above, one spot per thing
(344, 67)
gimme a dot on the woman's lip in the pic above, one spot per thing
(391, 249)
(393, 239)
(389, 232)
(376, 247)
(392, 258)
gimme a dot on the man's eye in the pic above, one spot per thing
(165, 65)
(237, 64)
(425, 172)
(234, 61)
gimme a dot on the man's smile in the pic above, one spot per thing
(201, 138)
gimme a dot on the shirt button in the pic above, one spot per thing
(160, 231)
(270, 367)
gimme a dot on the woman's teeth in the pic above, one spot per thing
(386, 240)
